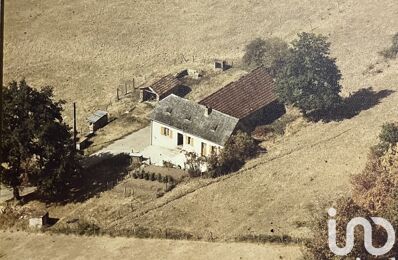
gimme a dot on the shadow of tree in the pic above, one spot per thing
(99, 173)
(361, 100)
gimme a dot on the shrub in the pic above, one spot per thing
(392, 51)
(146, 176)
(374, 193)
(159, 177)
(168, 164)
(152, 176)
(193, 164)
(169, 186)
(236, 151)
(389, 133)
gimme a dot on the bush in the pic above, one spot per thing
(374, 193)
(193, 164)
(159, 177)
(237, 150)
(389, 133)
(152, 176)
(392, 51)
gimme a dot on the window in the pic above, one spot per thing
(165, 131)
(203, 150)
(213, 149)
(189, 140)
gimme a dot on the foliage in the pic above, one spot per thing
(310, 78)
(269, 53)
(237, 150)
(389, 133)
(374, 193)
(317, 247)
(392, 51)
(194, 164)
(36, 145)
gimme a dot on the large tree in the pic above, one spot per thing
(310, 78)
(270, 53)
(36, 146)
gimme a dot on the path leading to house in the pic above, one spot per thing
(21, 245)
(134, 142)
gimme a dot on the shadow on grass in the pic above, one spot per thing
(99, 173)
(351, 106)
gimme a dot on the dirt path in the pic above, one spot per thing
(20, 245)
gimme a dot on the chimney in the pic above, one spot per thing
(207, 111)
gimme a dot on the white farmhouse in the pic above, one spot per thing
(185, 126)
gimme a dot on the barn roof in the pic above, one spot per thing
(164, 84)
(245, 96)
(190, 117)
(97, 115)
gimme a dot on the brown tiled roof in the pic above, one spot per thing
(164, 85)
(245, 96)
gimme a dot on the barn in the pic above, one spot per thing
(161, 89)
(251, 99)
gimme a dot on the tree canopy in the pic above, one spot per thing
(310, 78)
(270, 53)
(37, 146)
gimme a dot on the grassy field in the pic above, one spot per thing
(85, 49)
(43, 246)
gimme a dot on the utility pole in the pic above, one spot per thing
(1, 75)
(74, 126)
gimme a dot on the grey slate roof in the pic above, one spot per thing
(97, 115)
(189, 117)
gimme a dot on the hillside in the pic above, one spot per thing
(86, 48)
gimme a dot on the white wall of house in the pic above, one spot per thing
(169, 139)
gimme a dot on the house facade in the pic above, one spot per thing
(170, 137)
(186, 126)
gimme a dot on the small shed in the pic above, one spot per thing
(39, 219)
(97, 120)
(220, 65)
(160, 89)
(83, 143)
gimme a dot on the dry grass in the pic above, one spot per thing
(85, 48)
(46, 246)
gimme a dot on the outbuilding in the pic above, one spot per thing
(97, 120)
(161, 89)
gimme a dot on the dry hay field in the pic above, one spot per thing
(36, 246)
(86, 48)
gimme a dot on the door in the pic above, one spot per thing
(180, 139)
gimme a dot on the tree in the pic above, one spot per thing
(374, 193)
(270, 53)
(236, 151)
(310, 78)
(36, 145)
